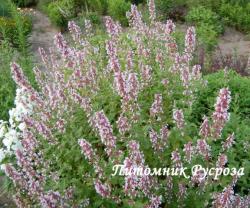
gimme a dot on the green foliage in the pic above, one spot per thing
(7, 85)
(239, 116)
(236, 15)
(208, 25)
(23, 26)
(117, 9)
(13, 32)
(210, 4)
(16, 27)
(94, 18)
(25, 3)
(98, 6)
(42, 5)
(239, 2)
(207, 37)
(60, 12)
(201, 15)
(4, 8)
(9, 29)
(239, 87)
(170, 9)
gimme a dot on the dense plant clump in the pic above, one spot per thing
(208, 25)
(4, 9)
(9, 29)
(14, 25)
(60, 11)
(14, 31)
(7, 85)
(236, 15)
(127, 100)
(117, 9)
(25, 3)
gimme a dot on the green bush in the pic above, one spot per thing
(60, 12)
(207, 37)
(240, 2)
(117, 9)
(94, 18)
(201, 15)
(236, 16)
(9, 29)
(7, 85)
(208, 26)
(42, 5)
(98, 6)
(239, 87)
(173, 9)
(4, 9)
(210, 4)
(25, 3)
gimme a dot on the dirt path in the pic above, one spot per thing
(230, 42)
(42, 34)
(233, 41)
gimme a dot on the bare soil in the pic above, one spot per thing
(42, 34)
(231, 42)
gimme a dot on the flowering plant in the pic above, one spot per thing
(11, 131)
(126, 101)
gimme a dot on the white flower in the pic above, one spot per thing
(2, 167)
(17, 145)
(22, 126)
(10, 131)
(10, 137)
(2, 155)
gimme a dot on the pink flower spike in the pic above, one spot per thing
(179, 118)
(205, 128)
(103, 189)
(221, 115)
(229, 142)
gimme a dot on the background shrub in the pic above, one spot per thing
(4, 8)
(170, 9)
(42, 5)
(9, 29)
(14, 31)
(236, 15)
(201, 15)
(98, 6)
(207, 37)
(208, 26)
(7, 85)
(60, 12)
(25, 3)
(117, 9)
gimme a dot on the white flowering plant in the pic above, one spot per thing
(10, 132)
(126, 100)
